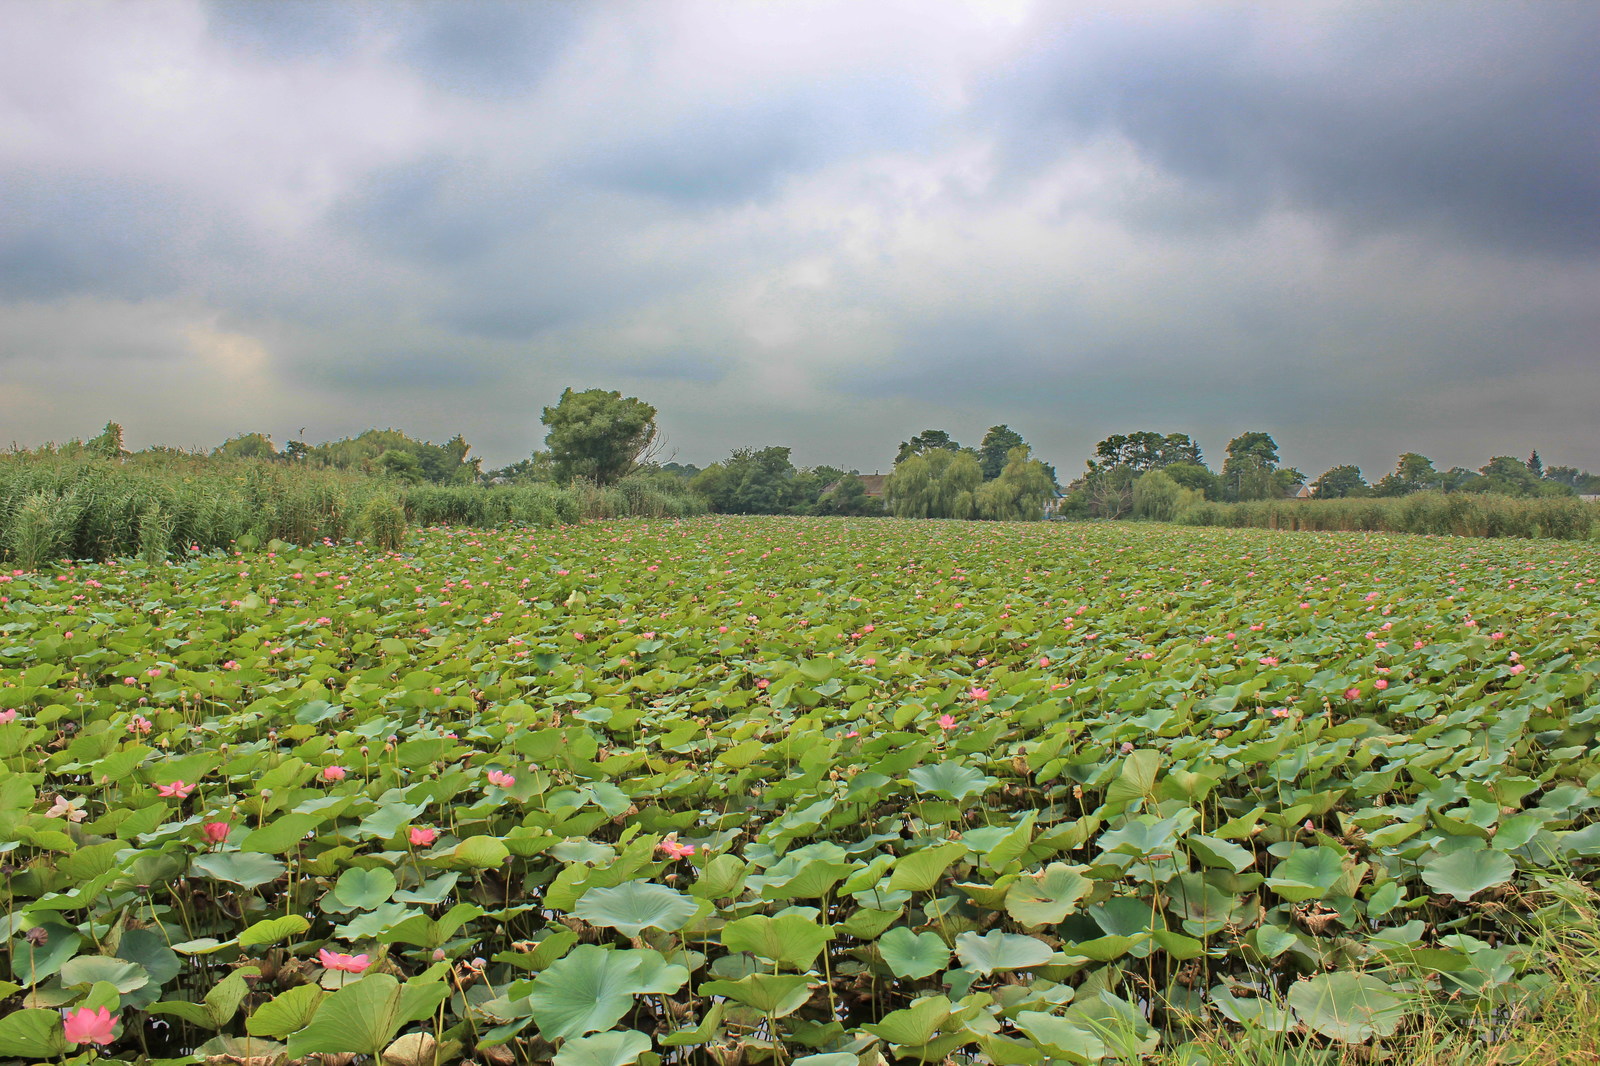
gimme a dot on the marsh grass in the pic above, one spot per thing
(1555, 1023)
(163, 507)
(1441, 514)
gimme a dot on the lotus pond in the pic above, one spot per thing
(821, 792)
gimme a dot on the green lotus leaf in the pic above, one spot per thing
(951, 781)
(592, 988)
(620, 1048)
(913, 955)
(634, 906)
(244, 869)
(790, 939)
(1048, 896)
(365, 889)
(364, 1016)
(1347, 1006)
(1463, 874)
(995, 950)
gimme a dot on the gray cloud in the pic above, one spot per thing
(1367, 228)
(1474, 118)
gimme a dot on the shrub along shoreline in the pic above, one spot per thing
(1456, 514)
(105, 508)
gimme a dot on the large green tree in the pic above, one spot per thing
(1411, 473)
(749, 481)
(995, 450)
(1340, 481)
(929, 440)
(1247, 473)
(1021, 492)
(940, 483)
(598, 434)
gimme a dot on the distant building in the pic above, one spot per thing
(874, 484)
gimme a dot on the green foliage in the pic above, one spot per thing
(995, 450)
(929, 440)
(1457, 514)
(598, 435)
(749, 481)
(1155, 496)
(938, 483)
(1021, 492)
(161, 507)
(1010, 792)
(1339, 482)
(1247, 473)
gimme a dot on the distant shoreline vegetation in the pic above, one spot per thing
(96, 499)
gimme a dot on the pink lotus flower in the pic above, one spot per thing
(1518, 668)
(977, 695)
(334, 773)
(216, 832)
(85, 1026)
(1380, 684)
(178, 790)
(336, 960)
(1352, 694)
(8, 716)
(140, 725)
(422, 836)
(675, 850)
(947, 721)
(501, 778)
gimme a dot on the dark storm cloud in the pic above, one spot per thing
(1475, 118)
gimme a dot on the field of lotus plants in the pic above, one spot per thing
(810, 792)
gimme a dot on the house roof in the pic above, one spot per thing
(874, 484)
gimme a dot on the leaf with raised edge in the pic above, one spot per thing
(951, 781)
(365, 889)
(996, 950)
(592, 988)
(776, 994)
(281, 835)
(481, 852)
(288, 1012)
(916, 1025)
(1062, 1039)
(1463, 874)
(620, 1048)
(273, 930)
(920, 870)
(791, 939)
(246, 869)
(1348, 1006)
(913, 955)
(87, 969)
(34, 1034)
(1048, 896)
(364, 1016)
(634, 906)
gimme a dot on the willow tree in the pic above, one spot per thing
(1020, 493)
(936, 484)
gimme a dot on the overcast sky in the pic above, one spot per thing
(1365, 228)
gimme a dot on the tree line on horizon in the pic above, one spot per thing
(602, 437)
